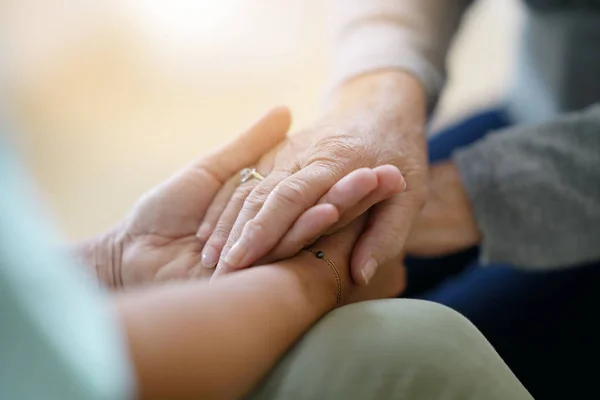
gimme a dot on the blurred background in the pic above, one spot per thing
(108, 98)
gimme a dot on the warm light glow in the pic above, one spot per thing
(188, 21)
(186, 38)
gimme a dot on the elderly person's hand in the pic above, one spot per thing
(158, 240)
(374, 121)
(447, 224)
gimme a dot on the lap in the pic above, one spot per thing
(396, 349)
(541, 323)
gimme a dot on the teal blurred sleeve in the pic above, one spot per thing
(59, 337)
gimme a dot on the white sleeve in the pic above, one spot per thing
(59, 338)
(413, 35)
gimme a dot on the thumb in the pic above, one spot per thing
(249, 146)
(384, 237)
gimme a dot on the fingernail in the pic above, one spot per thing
(237, 253)
(209, 257)
(401, 186)
(368, 270)
(404, 185)
(204, 230)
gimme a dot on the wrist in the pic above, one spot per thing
(330, 272)
(102, 256)
(317, 280)
(387, 95)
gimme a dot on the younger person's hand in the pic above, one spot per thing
(157, 240)
(389, 281)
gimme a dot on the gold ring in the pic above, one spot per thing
(248, 173)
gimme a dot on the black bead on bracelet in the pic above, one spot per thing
(338, 280)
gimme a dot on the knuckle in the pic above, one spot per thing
(393, 156)
(292, 193)
(256, 199)
(219, 236)
(332, 170)
(233, 236)
(256, 229)
(337, 147)
(260, 192)
(241, 194)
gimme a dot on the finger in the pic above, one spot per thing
(216, 208)
(305, 231)
(388, 282)
(339, 245)
(389, 183)
(343, 196)
(385, 235)
(282, 207)
(249, 209)
(215, 243)
(351, 189)
(248, 146)
(200, 272)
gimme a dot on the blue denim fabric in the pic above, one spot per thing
(541, 323)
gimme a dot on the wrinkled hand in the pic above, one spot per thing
(372, 130)
(447, 224)
(157, 241)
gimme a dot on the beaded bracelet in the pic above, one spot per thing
(338, 280)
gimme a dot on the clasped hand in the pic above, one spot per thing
(317, 182)
(160, 239)
(365, 160)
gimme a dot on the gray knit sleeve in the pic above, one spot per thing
(535, 191)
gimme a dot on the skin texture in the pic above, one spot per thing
(373, 121)
(350, 197)
(180, 329)
(447, 223)
(158, 240)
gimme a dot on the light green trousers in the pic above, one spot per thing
(392, 349)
